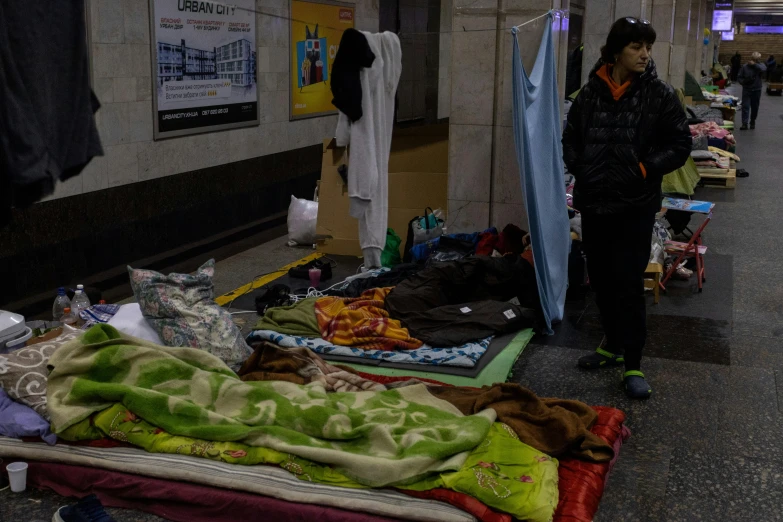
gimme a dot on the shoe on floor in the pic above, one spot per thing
(88, 509)
(636, 386)
(742, 173)
(600, 359)
(744, 126)
(752, 125)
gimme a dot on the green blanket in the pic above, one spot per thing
(501, 472)
(682, 180)
(297, 319)
(375, 438)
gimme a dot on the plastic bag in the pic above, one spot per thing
(390, 257)
(302, 218)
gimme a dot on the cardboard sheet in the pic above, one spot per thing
(418, 178)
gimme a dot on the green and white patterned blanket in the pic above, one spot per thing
(376, 438)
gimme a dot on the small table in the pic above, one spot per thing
(693, 248)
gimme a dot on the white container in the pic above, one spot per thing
(17, 475)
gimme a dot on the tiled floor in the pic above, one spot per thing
(709, 444)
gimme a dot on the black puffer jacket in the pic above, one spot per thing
(605, 141)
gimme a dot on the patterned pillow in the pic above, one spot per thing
(180, 307)
(23, 372)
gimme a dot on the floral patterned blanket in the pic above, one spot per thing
(464, 356)
(375, 438)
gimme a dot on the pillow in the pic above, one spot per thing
(17, 420)
(130, 320)
(23, 372)
(181, 309)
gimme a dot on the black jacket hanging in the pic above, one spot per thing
(47, 128)
(353, 55)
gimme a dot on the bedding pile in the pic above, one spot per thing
(292, 431)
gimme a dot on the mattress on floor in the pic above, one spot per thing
(263, 480)
(496, 369)
(461, 356)
(581, 484)
(496, 345)
(179, 501)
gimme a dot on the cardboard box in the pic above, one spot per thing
(418, 178)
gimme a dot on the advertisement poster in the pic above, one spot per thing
(204, 66)
(316, 29)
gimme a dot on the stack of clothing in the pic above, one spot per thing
(705, 113)
(711, 160)
(716, 135)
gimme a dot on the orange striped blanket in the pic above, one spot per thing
(362, 322)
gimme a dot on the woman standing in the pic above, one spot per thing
(625, 131)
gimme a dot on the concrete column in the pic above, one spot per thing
(663, 22)
(599, 17)
(444, 61)
(706, 50)
(679, 54)
(473, 76)
(484, 183)
(506, 205)
(694, 40)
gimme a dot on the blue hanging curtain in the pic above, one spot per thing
(537, 134)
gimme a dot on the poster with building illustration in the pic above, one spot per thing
(203, 65)
(316, 30)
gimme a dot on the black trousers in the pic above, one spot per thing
(617, 248)
(750, 105)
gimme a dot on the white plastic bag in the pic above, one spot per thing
(302, 218)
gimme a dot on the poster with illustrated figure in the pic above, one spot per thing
(316, 30)
(203, 66)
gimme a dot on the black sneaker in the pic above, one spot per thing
(742, 173)
(752, 125)
(303, 271)
(744, 126)
(88, 509)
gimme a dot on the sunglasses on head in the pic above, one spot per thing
(632, 20)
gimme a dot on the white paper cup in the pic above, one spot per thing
(17, 475)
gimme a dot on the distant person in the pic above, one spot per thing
(771, 64)
(736, 64)
(751, 81)
(625, 131)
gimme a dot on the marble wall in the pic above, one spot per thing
(694, 37)
(680, 39)
(675, 21)
(484, 185)
(121, 70)
(444, 60)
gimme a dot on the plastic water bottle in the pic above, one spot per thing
(68, 318)
(80, 302)
(60, 304)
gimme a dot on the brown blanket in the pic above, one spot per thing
(270, 362)
(556, 427)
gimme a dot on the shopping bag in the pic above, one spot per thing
(390, 257)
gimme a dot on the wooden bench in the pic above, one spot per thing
(652, 280)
